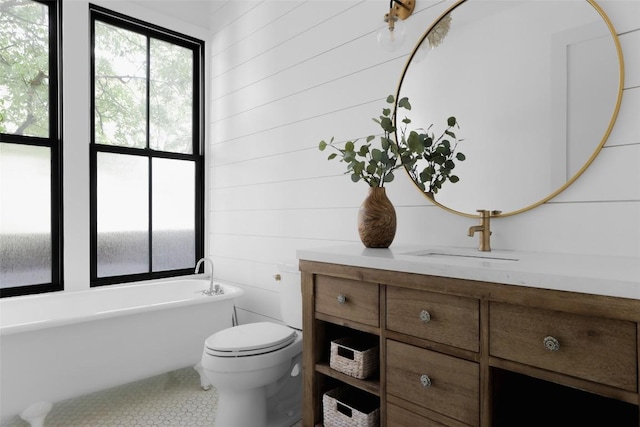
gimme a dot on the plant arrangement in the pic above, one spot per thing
(428, 160)
(435, 157)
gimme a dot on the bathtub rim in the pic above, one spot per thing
(231, 292)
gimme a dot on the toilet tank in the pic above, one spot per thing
(290, 294)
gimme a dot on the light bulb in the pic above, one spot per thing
(392, 40)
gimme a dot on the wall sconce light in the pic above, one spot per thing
(393, 32)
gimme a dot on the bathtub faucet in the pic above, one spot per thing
(213, 290)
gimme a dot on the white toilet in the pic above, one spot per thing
(256, 367)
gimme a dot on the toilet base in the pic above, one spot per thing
(247, 408)
(204, 381)
(36, 413)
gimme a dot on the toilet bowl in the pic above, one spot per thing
(256, 367)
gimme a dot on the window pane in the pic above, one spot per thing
(122, 214)
(120, 86)
(24, 68)
(171, 98)
(173, 214)
(25, 215)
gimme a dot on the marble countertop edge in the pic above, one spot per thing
(589, 274)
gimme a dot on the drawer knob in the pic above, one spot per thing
(551, 343)
(425, 317)
(342, 299)
(425, 381)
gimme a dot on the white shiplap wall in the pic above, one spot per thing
(286, 74)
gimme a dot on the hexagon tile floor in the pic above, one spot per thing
(171, 399)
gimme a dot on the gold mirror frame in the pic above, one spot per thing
(573, 178)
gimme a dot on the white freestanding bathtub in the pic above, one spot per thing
(60, 345)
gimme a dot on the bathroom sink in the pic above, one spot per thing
(464, 253)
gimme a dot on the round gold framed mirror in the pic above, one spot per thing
(535, 87)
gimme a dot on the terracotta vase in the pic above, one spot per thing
(377, 219)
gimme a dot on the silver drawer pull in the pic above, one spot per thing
(551, 344)
(425, 317)
(425, 381)
(342, 299)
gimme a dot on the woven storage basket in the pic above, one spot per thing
(355, 357)
(349, 407)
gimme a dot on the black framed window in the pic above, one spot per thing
(30, 147)
(147, 168)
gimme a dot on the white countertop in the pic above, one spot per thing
(599, 275)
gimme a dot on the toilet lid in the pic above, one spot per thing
(250, 339)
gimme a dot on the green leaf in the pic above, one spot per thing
(384, 157)
(439, 160)
(355, 177)
(348, 146)
(460, 157)
(449, 164)
(371, 138)
(322, 145)
(425, 176)
(411, 161)
(387, 125)
(391, 99)
(376, 154)
(451, 121)
(364, 150)
(442, 149)
(386, 112)
(404, 103)
(388, 177)
(415, 143)
(454, 179)
(332, 156)
(348, 156)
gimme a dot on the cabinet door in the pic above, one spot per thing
(441, 383)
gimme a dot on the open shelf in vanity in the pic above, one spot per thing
(332, 320)
(447, 356)
(333, 329)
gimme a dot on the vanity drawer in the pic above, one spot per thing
(348, 299)
(400, 417)
(446, 319)
(441, 383)
(595, 349)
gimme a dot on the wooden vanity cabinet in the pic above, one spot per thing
(446, 344)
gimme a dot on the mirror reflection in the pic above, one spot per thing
(535, 87)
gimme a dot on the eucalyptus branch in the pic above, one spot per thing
(376, 165)
(439, 155)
